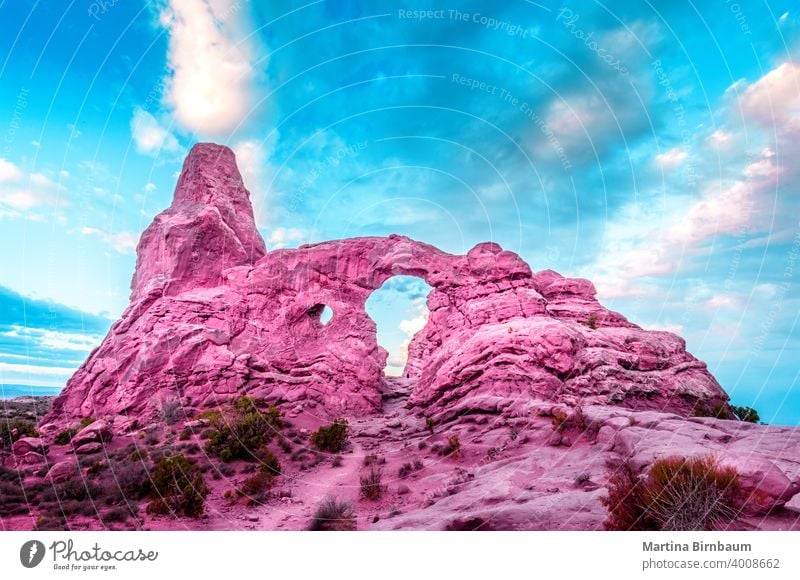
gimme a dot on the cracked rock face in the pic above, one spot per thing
(214, 315)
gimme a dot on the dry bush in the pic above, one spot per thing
(333, 515)
(678, 494)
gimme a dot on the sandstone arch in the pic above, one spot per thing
(213, 315)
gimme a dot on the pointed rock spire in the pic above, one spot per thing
(209, 227)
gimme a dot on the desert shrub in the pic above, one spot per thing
(132, 478)
(559, 420)
(85, 422)
(678, 494)
(747, 414)
(95, 468)
(333, 515)
(65, 436)
(372, 483)
(170, 410)
(76, 489)
(591, 322)
(718, 411)
(269, 464)
(582, 478)
(430, 424)
(179, 488)
(138, 455)
(242, 431)
(408, 468)
(373, 459)
(51, 523)
(284, 444)
(12, 496)
(452, 447)
(331, 438)
(255, 486)
(12, 430)
(118, 514)
(226, 470)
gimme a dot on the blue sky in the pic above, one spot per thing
(647, 146)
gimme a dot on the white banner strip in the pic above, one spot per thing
(416, 555)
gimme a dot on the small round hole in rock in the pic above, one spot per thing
(321, 312)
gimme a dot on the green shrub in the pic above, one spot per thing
(241, 431)
(718, 411)
(65, 436)
(372, 483)
(591, 322)
(269, 464)
(178, 486)
(12, 430)
(678, 494)
(430, 424)
(331, 438)
(747, 414)
(333, 515)
(256, 485)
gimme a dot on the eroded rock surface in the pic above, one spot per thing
(544, 391)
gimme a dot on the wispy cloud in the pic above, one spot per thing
(149, 135)
(211, 74)
(122, 242)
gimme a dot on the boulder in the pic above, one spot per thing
(62, 471)
(97, 432)
(89, 448)
(25, 445)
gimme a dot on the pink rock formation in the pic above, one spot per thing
(212, 315)
(546, 391)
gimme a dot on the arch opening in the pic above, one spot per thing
(321, 313)
(399, 310)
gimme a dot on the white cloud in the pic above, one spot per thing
(53, 339)
(720, 139)
(209, 89)
(253, 160)
(282, 237)
(150, 187)
(122, 242)
(36, 370)
(672, 158)
(655, 240)
(9, 171)
(24, 193)
(148, 134)
(411, 326)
